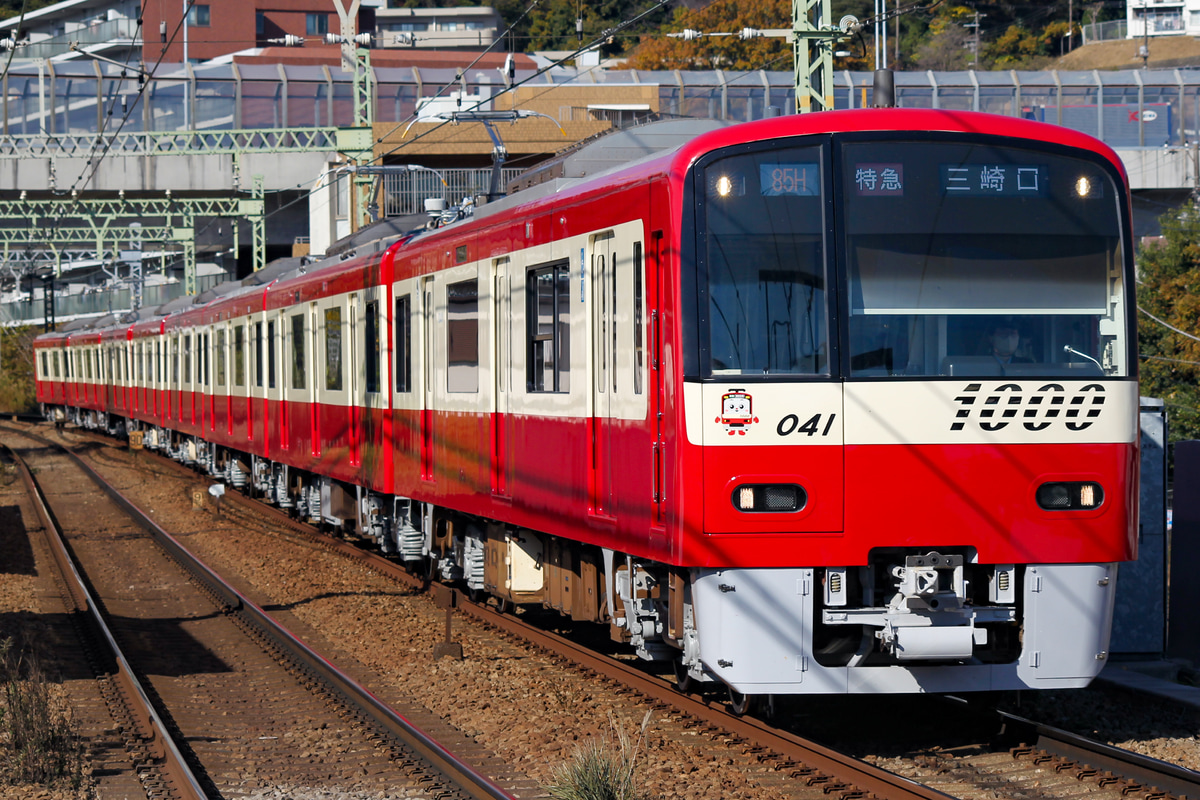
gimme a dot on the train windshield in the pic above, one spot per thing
(956, 259)
(978, 260)
(762, 262)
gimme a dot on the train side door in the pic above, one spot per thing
(357, 400)
(604, 373)
(427, 377)
(502, 457)
(317, 376)
(654, 290)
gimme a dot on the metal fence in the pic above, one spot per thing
(1105, 31)
(406, 192)
(97, 303)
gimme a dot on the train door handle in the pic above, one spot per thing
(654, 338)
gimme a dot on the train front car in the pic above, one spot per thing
(909, 370)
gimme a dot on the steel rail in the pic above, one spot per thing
(846, 770)
(174, 767)
(1146, 770)
(458, 773)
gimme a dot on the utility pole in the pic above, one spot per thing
(975, 47)
(812, 51)
(357, 143)
(1070, 17)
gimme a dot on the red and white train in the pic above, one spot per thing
(744, 400)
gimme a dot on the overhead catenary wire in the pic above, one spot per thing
(1168, 325)
(595, 42)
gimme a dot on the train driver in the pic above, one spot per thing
(1005, 340)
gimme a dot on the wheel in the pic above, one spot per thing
(742, 704)
(683, 680)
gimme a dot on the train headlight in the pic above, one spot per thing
(1067, 496)
(770, 497)
(1083, 186)
(723, 186)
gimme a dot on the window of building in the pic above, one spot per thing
(297, 351)
(333, 349)
(549, 328)
(199, 16)
(371, 345)
(462, 337)
(403, 323)
(260, 22)
(316, 24)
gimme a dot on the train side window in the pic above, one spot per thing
(371, 345)
(297, 351)
(271, 355)
(333, 349)
(56, 367)
(548, 328)
(239, 355)
(462, 336)
(639, 353)
(258, 354)
(221, 357)
(204, 359)
(187, 358)
(403, 323)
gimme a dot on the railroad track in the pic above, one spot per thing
(224, 700)
(1021, 759)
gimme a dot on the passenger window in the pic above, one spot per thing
(221, 357)
(548, 327)
(462, 337)
(239, 355)
(403, 323)
(638, 351)
(270, 355)
(333, 349)
(371, 345)
(187, 358)
(258, 354)
(298, 351)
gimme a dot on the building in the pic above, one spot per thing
(218, 28)
(438, 28)
(1162, 18)
(104, 27)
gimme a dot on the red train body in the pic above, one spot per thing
(745, 401)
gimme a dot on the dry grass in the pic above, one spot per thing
(36, 728)
(604, 768)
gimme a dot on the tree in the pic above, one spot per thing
(723, 52)
(1169, 288)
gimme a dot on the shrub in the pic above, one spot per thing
(604, 768)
